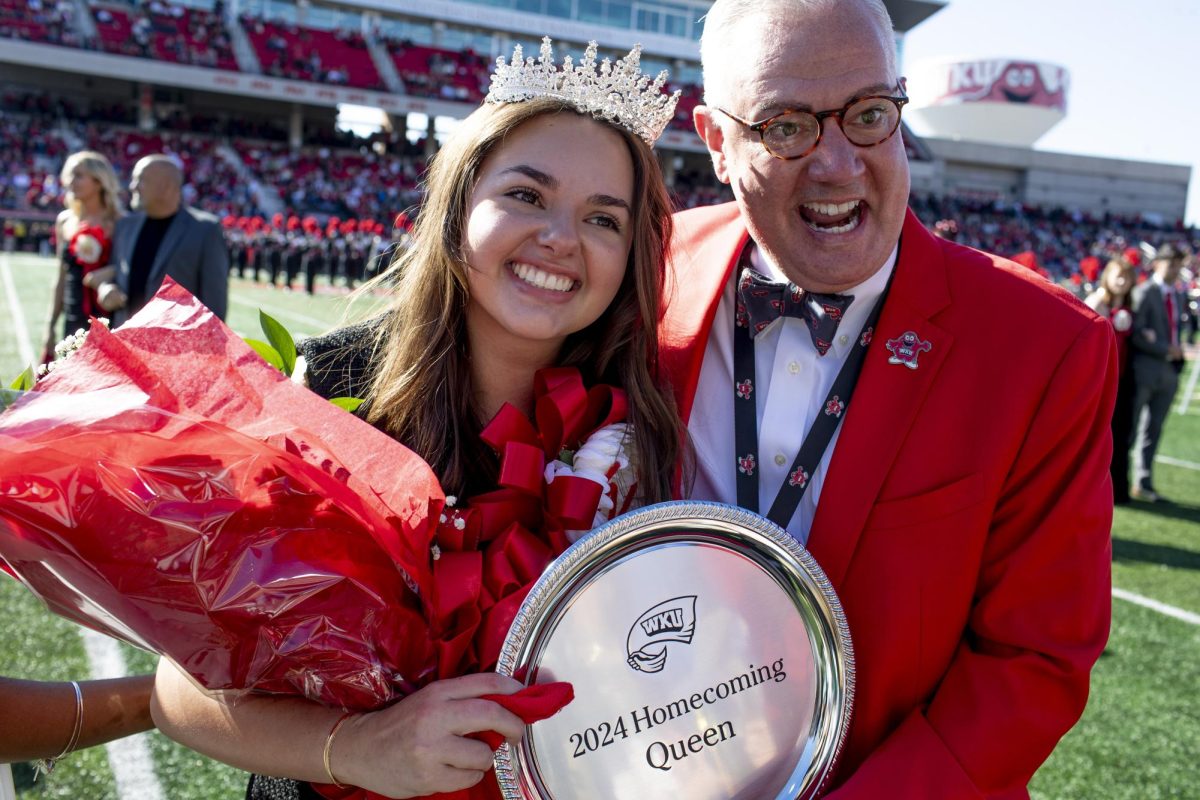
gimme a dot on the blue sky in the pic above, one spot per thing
(1134, 64)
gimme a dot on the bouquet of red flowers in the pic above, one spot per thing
(168, 487)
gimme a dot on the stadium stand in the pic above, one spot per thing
(165, 32)
(1059, 237)
(436, 72)
(336, 175)
(376, 179)
(690, 97)
(310, 54)
(29, 155)
(340, 183)
(39, 21)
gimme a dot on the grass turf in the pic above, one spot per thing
(1139, 737)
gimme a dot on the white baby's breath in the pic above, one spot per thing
(67, 348)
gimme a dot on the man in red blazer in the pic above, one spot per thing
(962, 507)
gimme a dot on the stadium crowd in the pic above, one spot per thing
(235, 168)
(231, 164)
(1062, 241)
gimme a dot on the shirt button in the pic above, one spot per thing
(843, 338)
(794, 367)
(780, 459)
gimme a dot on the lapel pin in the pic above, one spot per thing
(907, 348)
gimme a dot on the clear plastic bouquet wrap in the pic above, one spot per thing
(168, 487)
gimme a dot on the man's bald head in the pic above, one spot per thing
(156, 186)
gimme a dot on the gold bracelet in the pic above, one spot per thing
(329, 748)
(45, 765)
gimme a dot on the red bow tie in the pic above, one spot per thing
(761, 301)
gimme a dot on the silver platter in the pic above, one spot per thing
(710, 659)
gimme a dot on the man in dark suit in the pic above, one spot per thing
(164, 237)
(1157, 360)
(962, 507)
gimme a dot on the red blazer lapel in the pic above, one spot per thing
(886, 401)
(693, 291)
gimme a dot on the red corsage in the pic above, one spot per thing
(90, 248)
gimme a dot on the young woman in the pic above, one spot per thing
(541, 243)
(83, 232)
(1111, 300)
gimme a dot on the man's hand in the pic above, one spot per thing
(110, 296)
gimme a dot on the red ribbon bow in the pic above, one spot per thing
(499, 544)
(495, 547)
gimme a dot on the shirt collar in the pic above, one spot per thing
(865, 294)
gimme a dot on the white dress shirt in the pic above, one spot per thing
(791, 384)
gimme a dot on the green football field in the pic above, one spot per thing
(1138, 739)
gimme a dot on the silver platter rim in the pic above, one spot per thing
(772, 548)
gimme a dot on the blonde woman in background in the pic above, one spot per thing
(83, 235)
(1111, 300)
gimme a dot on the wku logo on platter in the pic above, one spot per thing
(672, 620)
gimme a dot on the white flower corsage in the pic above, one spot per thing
(88, 248)
(606, 458)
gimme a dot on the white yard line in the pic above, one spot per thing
(1177, 462)
(1191, 387)
(275, 311)
(130, 759)
(1154, 605)
(16, 313)
(7, 790)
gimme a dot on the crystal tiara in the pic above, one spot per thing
(619, 93)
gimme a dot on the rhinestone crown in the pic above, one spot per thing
(619, 93)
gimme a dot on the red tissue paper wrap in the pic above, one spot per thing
(167, 487)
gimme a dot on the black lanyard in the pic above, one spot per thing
(745, 419)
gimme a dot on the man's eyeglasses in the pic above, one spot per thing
(866, 122)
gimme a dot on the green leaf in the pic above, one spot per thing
(24, 382)
(267, 353)
(8, 397)
(350, 404)
(281, 340)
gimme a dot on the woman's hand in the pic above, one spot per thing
(418, 746)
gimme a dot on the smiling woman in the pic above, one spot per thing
(547, 241)
(537, 263)
(525, 197)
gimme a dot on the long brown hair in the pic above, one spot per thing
(421, 391)
(1108, 298)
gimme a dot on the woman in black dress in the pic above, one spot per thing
(83, 233)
